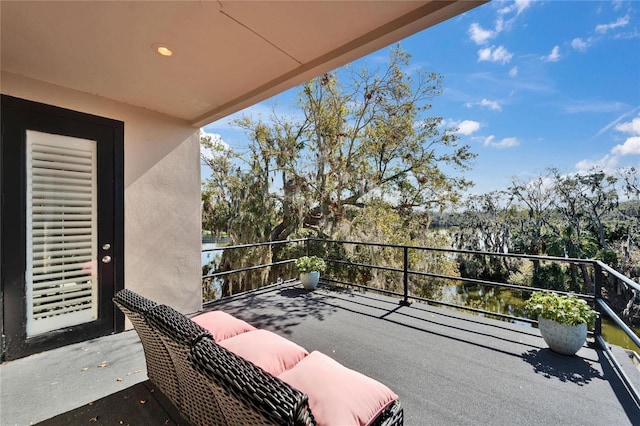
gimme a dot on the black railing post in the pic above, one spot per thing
(306, 246)
(597, 330)
(405, 278)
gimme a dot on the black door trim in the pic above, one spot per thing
(18, 115)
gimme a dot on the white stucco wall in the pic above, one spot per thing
(162, 192)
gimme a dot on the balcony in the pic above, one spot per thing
(447, 366)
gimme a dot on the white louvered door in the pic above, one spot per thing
(61, 232)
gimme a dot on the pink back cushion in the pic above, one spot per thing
(338, 395)
(267, 350)
(221, 325)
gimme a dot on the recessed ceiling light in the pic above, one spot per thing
(162, 49)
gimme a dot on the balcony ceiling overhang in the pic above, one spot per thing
(227, 55)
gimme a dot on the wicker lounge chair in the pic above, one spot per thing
(231, 391)
(212, 385)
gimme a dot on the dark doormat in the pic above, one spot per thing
(141, 404)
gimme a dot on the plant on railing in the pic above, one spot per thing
(306, 264)
(562, 309)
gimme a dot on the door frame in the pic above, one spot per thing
(18, 115)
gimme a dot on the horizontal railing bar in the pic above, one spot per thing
(619, 276)
(501, 284)
(250, 268)
(266, 243)
(364, 265)
(484, 253)
(633, 336)
(452, 278)
(437, 302)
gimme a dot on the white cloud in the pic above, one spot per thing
(482, 35)
(492, 105)
(630, 147)
(484, 54)
(217, 142)
(621, 22)
(479, 35)
(554, 56)
(518, 6)
(486, 103)
(488, 140)
(632, 126)
(507, 143)
(607, 164)
(216, 138)
(500, 54)
(592, 106)
(504, 143)
(513, 72)
(579, 44)
(467, 127)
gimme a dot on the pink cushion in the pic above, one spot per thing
(338, 395)
(267, 350)
(222, 325)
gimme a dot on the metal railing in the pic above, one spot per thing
(343, 265)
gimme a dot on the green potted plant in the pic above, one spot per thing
(309, 268)
(562, 319)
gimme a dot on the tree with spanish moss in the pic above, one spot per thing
(355, 138)
(364, 139)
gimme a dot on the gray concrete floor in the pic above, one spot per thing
(448, 368)
(101, 381)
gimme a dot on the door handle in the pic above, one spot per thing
(106, 259)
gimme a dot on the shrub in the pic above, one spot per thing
(309, 264)
(568, 309)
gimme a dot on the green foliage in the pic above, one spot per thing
(549, 276)
(362, 136)
(563, 309)
(310, 264)
(569, 216)
(361, 159)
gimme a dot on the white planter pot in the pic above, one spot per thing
(310, 280)
(562, 338)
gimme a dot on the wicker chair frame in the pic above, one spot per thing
(160, 369)
(197, 401)
(393, 415)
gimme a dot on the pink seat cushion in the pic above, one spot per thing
(338, 395)
(222, 325)
(267, 350)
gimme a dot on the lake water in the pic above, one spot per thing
(207, 257)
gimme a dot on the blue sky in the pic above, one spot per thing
(529, 84)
